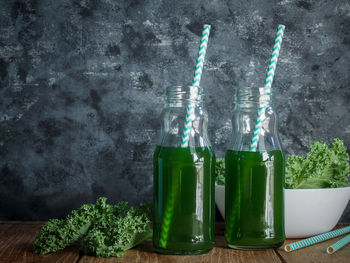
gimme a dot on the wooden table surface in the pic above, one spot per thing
(16, 240)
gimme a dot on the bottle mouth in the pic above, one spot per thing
(178, 95)
(249, 97)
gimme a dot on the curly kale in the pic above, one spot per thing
(323, 167)
(117, 229)
(57, 234)
(105, 230)
(220, 171)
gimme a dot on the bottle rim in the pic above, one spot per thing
(176, 95)
(247, 97)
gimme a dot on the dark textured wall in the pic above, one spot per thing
(81, 86)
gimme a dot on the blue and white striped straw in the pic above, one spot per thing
(268, 83)
(196, 81)
(170, 203)
(338, 245)
(316, 239)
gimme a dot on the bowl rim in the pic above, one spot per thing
(317, 189)
(304, 189)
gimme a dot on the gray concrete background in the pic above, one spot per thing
(81, 86)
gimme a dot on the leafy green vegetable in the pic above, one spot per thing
(105, 230)
(323, 167)
(57, 234)
(118, 229)
(220, 171)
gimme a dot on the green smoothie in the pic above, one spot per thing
(184, 200)
(254, 206)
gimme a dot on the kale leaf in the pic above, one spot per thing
(105, 230)
(57, 234)
(220, 171)
(117, 229)
(323, 167)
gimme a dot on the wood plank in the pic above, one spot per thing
(317, 252)
(16, 239)
(145, 253)
(23, 222)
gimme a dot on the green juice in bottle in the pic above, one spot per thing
(184, 204)
(254, 181)
(254, 199)
(184, 176)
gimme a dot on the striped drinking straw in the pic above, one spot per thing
(338, 245)
(316, 239)
(268, 83)
(170, 202)
(196, 81)
(264, 98)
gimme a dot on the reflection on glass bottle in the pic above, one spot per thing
(183, 180)
(254, 205)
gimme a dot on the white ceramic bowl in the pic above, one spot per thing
(220, 198)
(308, 212)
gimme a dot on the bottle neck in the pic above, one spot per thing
(249, 104)
(177, 119)
(182, 96)
(253, 98)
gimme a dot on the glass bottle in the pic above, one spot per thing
(184, 199)
(254, 201)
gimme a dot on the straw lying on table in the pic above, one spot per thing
(268, 83)
(338, 245)
(170, 203)
(316, 239)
